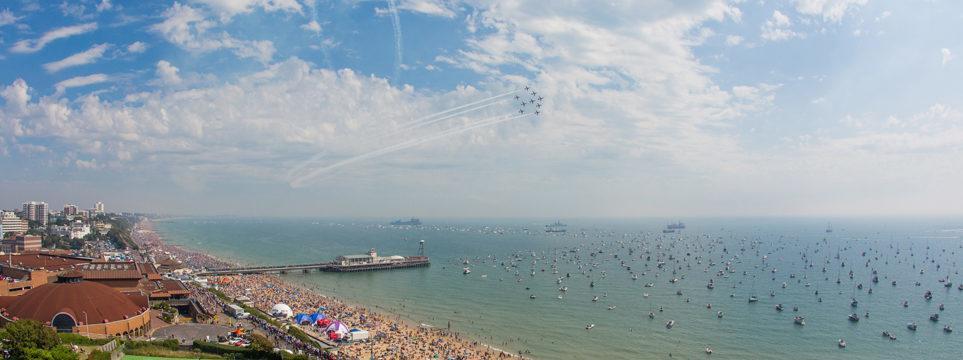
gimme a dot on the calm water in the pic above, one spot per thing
(492, 303)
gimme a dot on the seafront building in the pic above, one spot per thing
(11, 223)
(75, 230)
(36, 211)
(21, 243)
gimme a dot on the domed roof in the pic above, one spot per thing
(282, 310)
(82, 300)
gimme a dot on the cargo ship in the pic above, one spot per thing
(557, 227)
(409, 222)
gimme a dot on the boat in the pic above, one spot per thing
(753, 299)
(854, 303)
(947, 329)
(612, 307)
(708, 350)
(532, 296)
(669, 324)
(889, 335)
(594, 299)
(589, 326)
(557, 227)
(854, 317)
(409, 222)
(829, 228)
(645, 295)
(935, 317)
(720, 314)
(911, 326)
(651, 315)
(779, 307)
(466, 270)
(650, 285)
(842, 343)
(799, 320)
(941, 307)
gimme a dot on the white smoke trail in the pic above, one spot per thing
(396, 23)
(404, 145)
(418, 123)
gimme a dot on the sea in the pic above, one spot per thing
(511, 298)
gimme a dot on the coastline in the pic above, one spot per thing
(397, 343)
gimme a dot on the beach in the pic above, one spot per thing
(392, 337)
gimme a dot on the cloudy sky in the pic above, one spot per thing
(652, 108)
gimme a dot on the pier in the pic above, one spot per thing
(333, 266)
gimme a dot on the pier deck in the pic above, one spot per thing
(409, 262)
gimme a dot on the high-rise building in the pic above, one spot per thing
(36, 211)
(99, 207)
(70, 210)
(11, 223)
(21, 243)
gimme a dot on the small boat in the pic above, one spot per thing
(799, 320)
(645, 295)
(589, 326)
(941, 307)
(753, 299)
(708, 350)
(678, 292)
(842, 343)
(935, 317)
(532, 296)
(911, 326)
(779, 307)
(854, 303)
(669, 324)
(928, 295)
(560, 297)
(612, 307)
(905, 303)
(889, 335)
(947, 329)
(720, 314)
(795, 308)
(650, 285)
(651, 315)
(466, 270)
(854, 317)
(594, 299)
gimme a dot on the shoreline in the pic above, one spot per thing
(432, 341)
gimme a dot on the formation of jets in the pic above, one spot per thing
(534, 100)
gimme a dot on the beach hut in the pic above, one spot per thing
(282, 311)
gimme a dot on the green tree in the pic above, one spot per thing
(22, 335)
(59, 352)
(259, 343)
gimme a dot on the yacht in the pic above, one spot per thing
(651, 315)
(889, 335)
(854, 317)
(842, 343)
(669, 324)
(532, 296)
(948, 329)
(753, 299)
(595, 298)
(466, 270)
(799, 320)
(911, 326)
(719, 314)
(612, 307)
(589, 326)
(779, 307)
(708, 350)
(935, 317)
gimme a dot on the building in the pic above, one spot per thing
(73, 305)
(22, 272)
(99, 208)
(11, 223)
(75, 230)
(22, 243)
(70, 210)
(36, 211)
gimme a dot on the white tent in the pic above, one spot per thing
(282, 311)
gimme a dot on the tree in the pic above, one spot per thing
(260, 343)
(59, 352)
(22, 335)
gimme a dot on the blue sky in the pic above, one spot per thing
(652, 108)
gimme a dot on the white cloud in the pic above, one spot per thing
(80, 81)
(829, 10)
(429, 7)
(229, 8)
(778, 28)
(947, 56)
(733, 40)
(188, 28)
(136, 47)
(104, 5)
(7, 17)
(34, 45)
(312, 26)
(167, 73)
(85, 57)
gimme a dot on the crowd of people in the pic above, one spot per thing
(392, 338)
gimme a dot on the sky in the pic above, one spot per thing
(406, 107)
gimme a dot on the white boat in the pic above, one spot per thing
(612, 307)
(589, 326)
(466, 270)
(842, 343)
(669, 324)
(799, 320)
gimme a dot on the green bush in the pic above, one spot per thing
(77, 339)
(236, 352)
(98, 355)
(169, 344)
(59, 352)
(22, 336)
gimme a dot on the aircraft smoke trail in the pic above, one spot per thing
(426, 117)
(405, 145)
(396, 23)
(420, 122)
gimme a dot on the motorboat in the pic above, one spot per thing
(669, 324)
(842, 343)
(854, 317)
(651, 315)
(720, 314)
(589, 326)
(595, 298)
(708, 350)
(889, 335)
(799, 320)
(911, 326)
(779, 307)
(466, 270)
(935, 317)
(947, 329)
(532, 296)
(753, 299)
(854, 303)
(612, 307)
